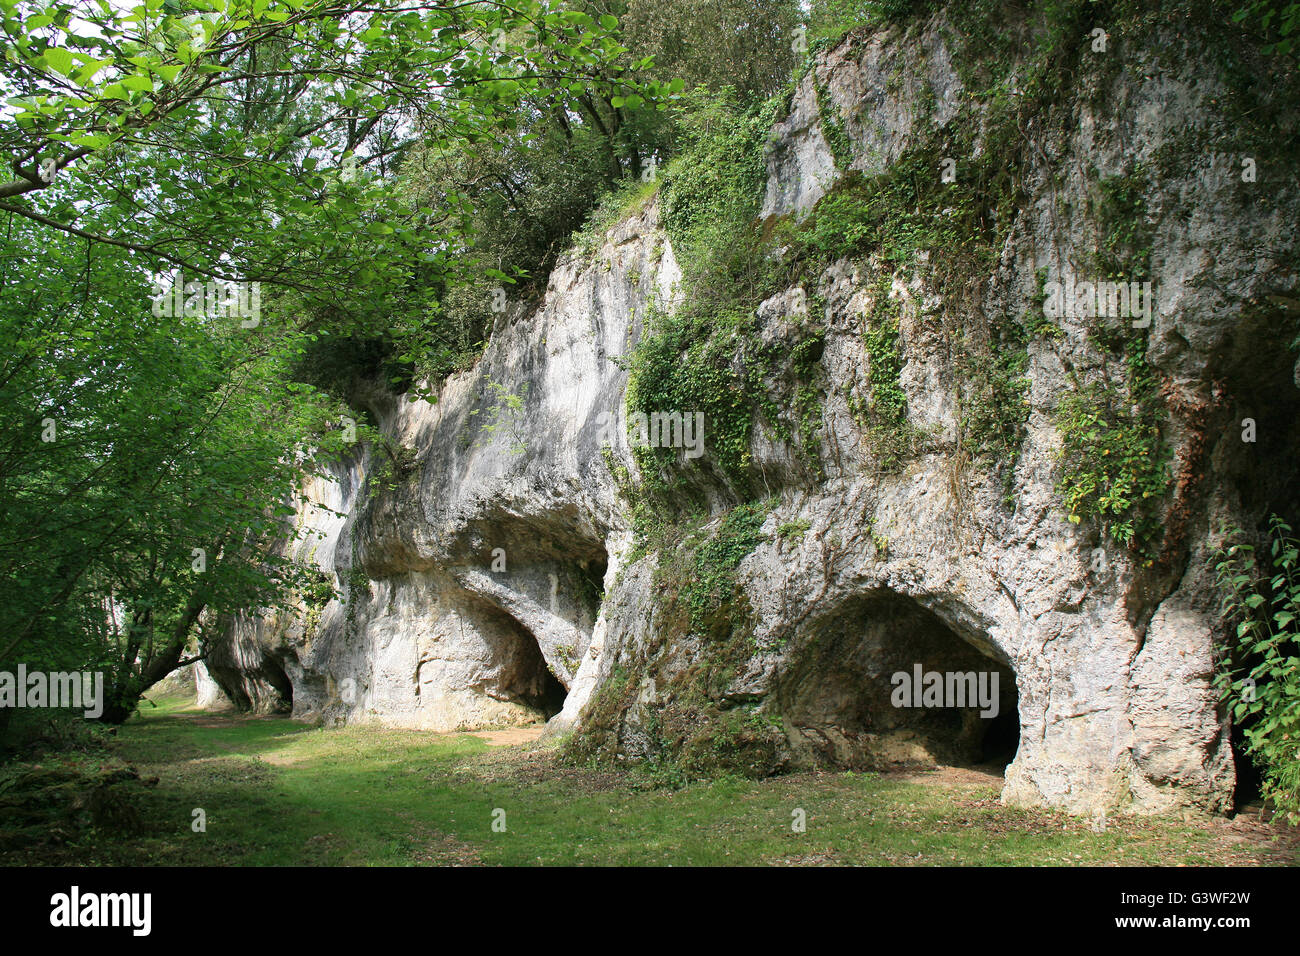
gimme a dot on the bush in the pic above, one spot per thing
(1260, 677)
(831, 18)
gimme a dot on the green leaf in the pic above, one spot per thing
(60, 59)
(87, 73)
(93, 140)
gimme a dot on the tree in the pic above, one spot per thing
(146, 464)
(749, 45)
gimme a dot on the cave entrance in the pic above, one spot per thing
(523, 675)
(883, 682)
(1248, 787)
(252, 678)
(1263, 474)
(558, 587)
(275, 674)
(548, 694)
(1000, 738)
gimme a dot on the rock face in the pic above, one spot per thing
(471, 590)
(497, 582)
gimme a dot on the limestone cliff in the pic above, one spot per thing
(499, 580)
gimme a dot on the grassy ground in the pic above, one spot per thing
(277, 792)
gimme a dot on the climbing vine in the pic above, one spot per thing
(712, 579)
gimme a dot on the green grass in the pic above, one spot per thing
(279, 793)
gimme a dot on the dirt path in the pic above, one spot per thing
(953, 777)
(510, 736)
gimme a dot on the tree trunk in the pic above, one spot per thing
(124, 696)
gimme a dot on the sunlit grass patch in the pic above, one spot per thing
(275, 792)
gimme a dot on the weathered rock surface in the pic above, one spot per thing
(471, 591)
(498, 580)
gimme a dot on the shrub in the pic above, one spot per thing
(1260, 676)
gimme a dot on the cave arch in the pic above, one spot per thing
(522, 673)
(541, 689)
(882, 681)
(540, 616)
(249, 669)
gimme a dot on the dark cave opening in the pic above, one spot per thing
(550, 696)
(1258, 421)
(538, 636)
(1248, 788)
(592, 574)
(262, 686)
(882, 681)
(524, 674)
(1001, 740)
(531, 680)
(274, 674)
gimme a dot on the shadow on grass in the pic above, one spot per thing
(172, 733)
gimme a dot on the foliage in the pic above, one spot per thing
(902, 212)
(266, 175)
(832, 18)
(1124, 253)
(267, 141)
(1278, 19)
(703, 355)
(1116, 464)
(711, 192)
(1115, 460)
(745, 44)
(393, 464)
(793, 530)
(996, 396)
(832, 125)
(880, 338)
(502, 413)
(627, 198)
(885, 418)
(525, 190)
(149, 461)
(1260, 674)
(713, 567)
(676, 367)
